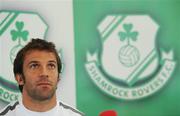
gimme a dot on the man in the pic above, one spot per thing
(36, 69)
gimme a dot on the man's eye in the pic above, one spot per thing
(51, 66)
(33, 66)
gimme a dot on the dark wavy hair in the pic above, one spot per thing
(34, 44)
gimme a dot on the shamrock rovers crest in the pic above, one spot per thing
(130, 65)
(16, 29)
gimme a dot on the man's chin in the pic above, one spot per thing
(44, 97)
(43, 94)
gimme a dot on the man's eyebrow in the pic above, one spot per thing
(52, 61)
(33, 62)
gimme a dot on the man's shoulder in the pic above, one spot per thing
(10, 108)
(70, 109)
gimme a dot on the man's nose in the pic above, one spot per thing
(44, 71)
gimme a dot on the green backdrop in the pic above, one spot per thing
(87, 16)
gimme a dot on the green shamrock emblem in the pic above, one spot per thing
(19, 33)
(128, 34)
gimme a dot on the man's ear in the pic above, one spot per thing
(19, 79)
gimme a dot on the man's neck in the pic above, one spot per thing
(39, 106)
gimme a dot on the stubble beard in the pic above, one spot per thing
(37, 93)
(40, 94)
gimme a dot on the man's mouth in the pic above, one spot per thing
(44, 84)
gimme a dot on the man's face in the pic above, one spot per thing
(40, 71)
